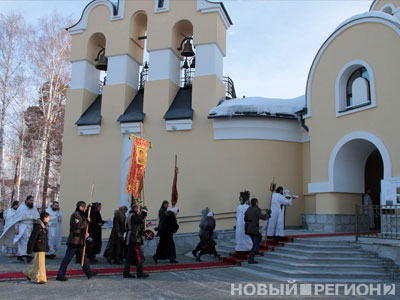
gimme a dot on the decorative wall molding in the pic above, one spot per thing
(341, 84)
(130, 128)
(81, 25)
(177, 125)
(89, 130)
(259, 129)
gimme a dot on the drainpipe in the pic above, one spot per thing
(300, 115)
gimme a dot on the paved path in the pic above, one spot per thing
(197, 284)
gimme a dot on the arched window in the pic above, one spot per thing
(355, 88)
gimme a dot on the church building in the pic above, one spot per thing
(326, 146)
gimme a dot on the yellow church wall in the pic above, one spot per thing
(337, 203)
(90, 159)
(356, 43)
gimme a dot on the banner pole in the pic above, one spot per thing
(271, 189)
(87, 228)
(143, 191)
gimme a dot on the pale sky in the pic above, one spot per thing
(270, 46)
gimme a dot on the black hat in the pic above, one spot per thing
(244, 193)
(80, 203)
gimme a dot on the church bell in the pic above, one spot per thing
(187, 49)
(102, 60)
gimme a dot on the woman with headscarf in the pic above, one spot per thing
(38, 243)
(166, 245)
(207, 243)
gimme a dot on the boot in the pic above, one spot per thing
(139, 272)
(251, 258)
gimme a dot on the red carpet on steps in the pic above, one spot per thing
(234, 259)
(118, 271)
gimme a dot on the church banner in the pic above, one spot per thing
(137, 167)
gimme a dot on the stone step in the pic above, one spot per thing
(327, 260)
(322, 241)
(319, 273)
(325, 253)
(311, 266)
(312, 246)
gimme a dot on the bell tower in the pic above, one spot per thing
(166, 99)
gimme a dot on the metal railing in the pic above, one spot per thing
(143, 76)
(101, 85)
(186, 79)
(378, 221)
(230, 87)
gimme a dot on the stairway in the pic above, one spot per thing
(314, 260)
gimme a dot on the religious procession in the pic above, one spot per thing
(31, 234)
(98, 111)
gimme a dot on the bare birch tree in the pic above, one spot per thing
(50, 48)
(12, 56)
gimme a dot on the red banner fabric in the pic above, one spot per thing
(137, 167)
(174, 195)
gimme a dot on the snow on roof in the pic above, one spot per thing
(259, 106)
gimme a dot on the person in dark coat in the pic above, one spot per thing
(166, 245)
(95, 225)
(134, 242)
(77, 236)
(115, 248)
(207, 243)
(251, 218)
(38, 243)
(162, 212)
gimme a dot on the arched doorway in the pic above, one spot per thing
(374, 175)
(352, 156)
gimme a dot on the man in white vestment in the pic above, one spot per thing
(278, 203)
(20, 228)
(242, 240)
(10, 251)
(55, 229)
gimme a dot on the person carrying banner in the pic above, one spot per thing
(134, 242)
(75, 242)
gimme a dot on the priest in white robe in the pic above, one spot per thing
(242, 240)
(55, 229)
(10, 251)
(20, 228)
(277, 221)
